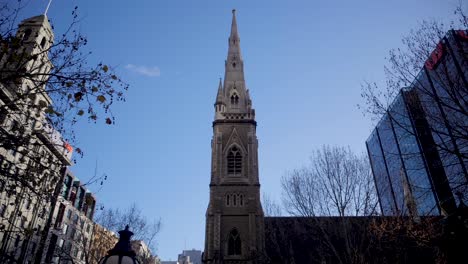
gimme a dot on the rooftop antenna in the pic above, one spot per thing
(47, 8)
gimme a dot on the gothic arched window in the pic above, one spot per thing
(234, 161)
(234, 243)
(234, 99)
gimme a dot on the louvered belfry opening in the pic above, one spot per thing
(234, 161)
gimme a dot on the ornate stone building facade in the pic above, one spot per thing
(234, 218)
(33, 154)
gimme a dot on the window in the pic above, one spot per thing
(75, 219)
(43, 212)
(234, 99)
(51, 249)
(33, 248)
(60, 243)
(17, 240)
(65, 229)
(75, 252)
(27, 34)
(228, 200)
(72, 233)
(234, 243)
(39, 227)
(68, 247)
(69, 213)
(234, 161)
(61, 210)
(27, 204)
(3, 209)
(43, 42)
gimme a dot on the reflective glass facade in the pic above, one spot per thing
(417, 149)
(400, 173)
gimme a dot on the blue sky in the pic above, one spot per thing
(304, 63)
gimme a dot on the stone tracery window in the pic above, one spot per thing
(234, 99)
(234, 243)
(234, 161)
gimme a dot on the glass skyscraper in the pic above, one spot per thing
(418, 150)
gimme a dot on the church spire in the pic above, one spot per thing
(233, 100)
(234, 218)
(234, 39)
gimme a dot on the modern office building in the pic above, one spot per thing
(418, 151)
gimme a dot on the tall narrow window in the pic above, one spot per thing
(234, 243)
(17, 240)
(234, 161)
(43, 42)
(234, 99)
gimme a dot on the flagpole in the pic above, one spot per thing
(47, 8)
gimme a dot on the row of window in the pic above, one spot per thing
(66, 250)
(234, 101)
(74, 218)
(235, 200)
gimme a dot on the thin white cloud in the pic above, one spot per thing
(144, 70)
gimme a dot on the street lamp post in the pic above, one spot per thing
(122, 252)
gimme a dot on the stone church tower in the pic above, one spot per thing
(234, 218)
